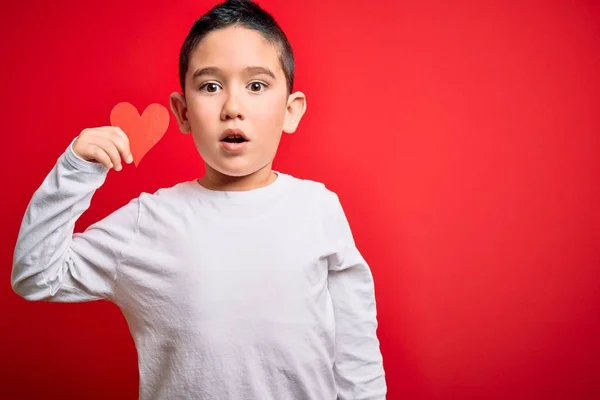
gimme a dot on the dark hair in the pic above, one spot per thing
(244, 13)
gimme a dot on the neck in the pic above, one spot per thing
(214, 180)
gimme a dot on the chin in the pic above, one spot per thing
(234, 171)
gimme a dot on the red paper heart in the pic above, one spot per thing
(143, 131)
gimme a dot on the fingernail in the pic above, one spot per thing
(118, 167)
(130, 159)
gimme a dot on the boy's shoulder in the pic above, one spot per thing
(311, 192)
(310, 187)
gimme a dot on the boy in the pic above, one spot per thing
(243, 284)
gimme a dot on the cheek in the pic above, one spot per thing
(202, 111)
(271, 116)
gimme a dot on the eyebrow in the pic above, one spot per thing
(249, 70)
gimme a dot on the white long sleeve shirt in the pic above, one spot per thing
(250, 295)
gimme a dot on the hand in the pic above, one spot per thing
(107, 145)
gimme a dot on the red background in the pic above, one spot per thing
(462, 138)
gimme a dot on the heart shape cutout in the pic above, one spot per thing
(143, 131)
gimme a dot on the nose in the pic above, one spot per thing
(232, 108)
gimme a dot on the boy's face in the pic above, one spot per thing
(235, 82)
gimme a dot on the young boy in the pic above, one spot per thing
(243, 284)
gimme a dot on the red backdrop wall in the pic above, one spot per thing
(462, 138)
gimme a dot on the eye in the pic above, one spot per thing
(210, 87)
(257, 86)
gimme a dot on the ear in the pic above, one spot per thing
(296, 107)
(179, 109)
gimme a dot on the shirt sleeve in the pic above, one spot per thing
(358, 365)
(51, 262)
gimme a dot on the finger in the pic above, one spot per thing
(114, 136)
(121, 141)
(111, 150)
(101, 156)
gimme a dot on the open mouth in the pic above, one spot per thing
(234, 136)
(234, 139)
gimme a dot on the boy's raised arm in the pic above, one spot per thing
(358, 366)
(51, 262)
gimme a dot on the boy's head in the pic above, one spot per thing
(237, 73)
(242, 13)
